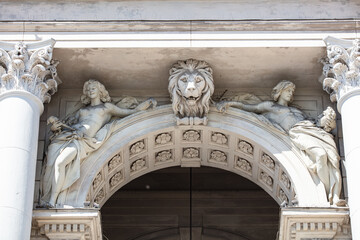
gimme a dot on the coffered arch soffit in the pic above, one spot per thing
(235, 141)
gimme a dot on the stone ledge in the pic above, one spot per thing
(56, 224)
(314, 223)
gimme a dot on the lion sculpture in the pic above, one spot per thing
(191, 86)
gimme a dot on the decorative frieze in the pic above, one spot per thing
(29, 67)
(66, 224)
(314, 223)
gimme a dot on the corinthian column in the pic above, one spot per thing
(27, 79)
(342, 82)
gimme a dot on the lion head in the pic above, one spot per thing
(191, 85)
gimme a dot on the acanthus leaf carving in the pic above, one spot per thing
(29, 68)
(341, 67)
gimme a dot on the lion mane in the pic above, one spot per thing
(179, 103)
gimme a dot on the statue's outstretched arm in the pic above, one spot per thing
(122, 112)
(256, 108)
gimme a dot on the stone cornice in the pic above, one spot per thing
(29, 68)
(346, 25)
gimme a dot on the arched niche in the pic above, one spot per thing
(236, 141)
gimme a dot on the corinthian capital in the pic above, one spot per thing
(29, 67)
(341, 68)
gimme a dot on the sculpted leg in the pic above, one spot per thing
(65, 157)
(321, 163)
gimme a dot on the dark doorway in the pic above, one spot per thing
(206, 203)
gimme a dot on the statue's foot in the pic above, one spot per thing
(339, 203)
(46, 205)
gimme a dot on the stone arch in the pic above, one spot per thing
(236, 141)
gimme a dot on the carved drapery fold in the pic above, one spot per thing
(29, 67)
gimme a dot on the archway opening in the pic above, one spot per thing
(210, 203)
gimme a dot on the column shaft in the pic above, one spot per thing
(19, 127)
(351, 131)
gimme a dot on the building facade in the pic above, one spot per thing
(201, 138)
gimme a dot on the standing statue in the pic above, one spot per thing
(74, 140)
(314, 139)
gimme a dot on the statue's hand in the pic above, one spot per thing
(145, 105)
(223, 106)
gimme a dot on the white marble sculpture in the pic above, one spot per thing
(312, 138)
(191, 86)
(29, 67)
(74, 140)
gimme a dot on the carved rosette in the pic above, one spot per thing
(243, 165)
(218, 156)
(341, 67)
(163, 156)
(30, 68)
(137, 147)
(285, 180)
(266, 179)
(116, 179)
(191, 136)
(219, 138)
(245, 147)
(138, 165)
(163, 138)
(100, 196)
(114, 162)
(97, 181)
(268, 161)
(191, 153)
